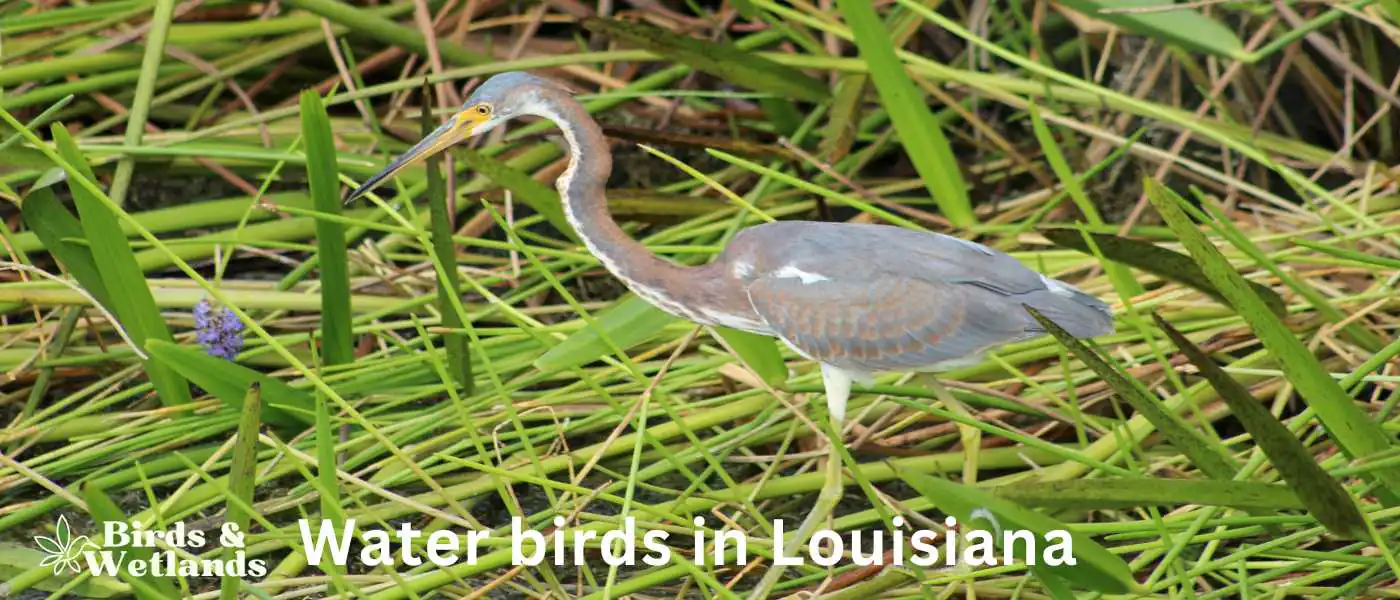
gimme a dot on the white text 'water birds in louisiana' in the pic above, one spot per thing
(857, 299)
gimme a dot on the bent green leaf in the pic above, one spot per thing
(56, 227)
(627, 323)
(126, 288)
(1323, 496)
(1184, 27)
(538, 196)
(282, 404)
(1354, 431)
(1206, 456)
(759, 352)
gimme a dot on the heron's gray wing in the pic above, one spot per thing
(886, 322)
(843, 250)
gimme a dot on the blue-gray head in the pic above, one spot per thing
(497, 100)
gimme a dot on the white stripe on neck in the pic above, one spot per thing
(655, 296)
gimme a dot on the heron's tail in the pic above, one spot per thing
(1078, 313)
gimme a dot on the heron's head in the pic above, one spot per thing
(497, 100)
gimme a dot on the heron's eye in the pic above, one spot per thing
(483, 110)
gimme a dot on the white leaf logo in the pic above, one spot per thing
(64, 551)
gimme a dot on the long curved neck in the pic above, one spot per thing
(581, 188)
(707, 294)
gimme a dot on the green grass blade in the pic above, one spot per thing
(1184, 27)
(242, 479)
(459, 358)
(104, 510)
(721, 60)
(1323, 496)
(16, 558)
(759, 352)
(783, 114)
(125, 285)
(1154, 259)
(1207, 456)
(538, 196)
(923, 139)
(1351, 255)
(627, 323)
(1122, 278)
(1354, 431)
(323, 175)
(843, 123)
(1120, 493)
(19, 157)
(1392, 9)
(1056, 586)
(55, 226)
(1096, 569)
(145, 88)
(336, 322)
(282, 404)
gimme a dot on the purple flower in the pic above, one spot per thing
(219, 330)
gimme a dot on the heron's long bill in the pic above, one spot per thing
(456, 129)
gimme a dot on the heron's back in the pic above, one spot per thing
(878, 298)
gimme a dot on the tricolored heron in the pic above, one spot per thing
(857, 299)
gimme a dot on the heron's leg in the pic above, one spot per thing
(838, 392)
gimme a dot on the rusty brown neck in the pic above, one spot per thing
(677, 289)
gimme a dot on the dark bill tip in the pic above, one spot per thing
(431, 144)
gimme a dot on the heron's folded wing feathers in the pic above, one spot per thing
(885, 322)
(852, 249)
